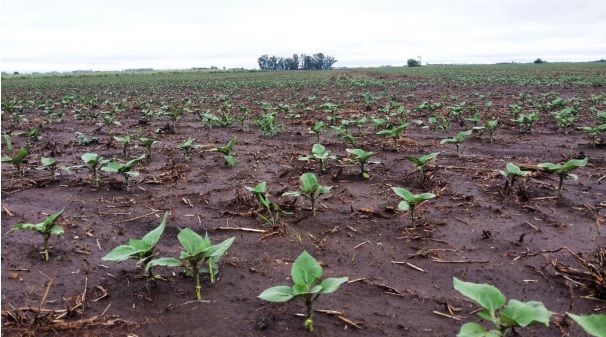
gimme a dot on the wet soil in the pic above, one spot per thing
(400, 274)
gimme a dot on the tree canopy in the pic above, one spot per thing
(306, 62)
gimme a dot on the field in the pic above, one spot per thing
(524, 237)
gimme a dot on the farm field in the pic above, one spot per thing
(524, 237)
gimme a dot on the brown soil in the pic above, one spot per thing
(400, 277)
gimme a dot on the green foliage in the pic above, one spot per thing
(491, 126)
(410, 201)
(305, 274)
(126, 170)
(148, 143)
(594, 132)
(457, 140)
(525, 121)
(198, 251)
(125, 141)
(413, 63)
(94, 162)
(361, 157)
(273, 210)
(317, 128)
(394, 133)
(594, 325)
(45, 228)
(422, 162)
(187, 146)
(562, 170)
(318, 153)
(17, 160)
(228, 156)
(511, 175)
(51, 165)
(310, 189)
(516, 314)
(85, 140)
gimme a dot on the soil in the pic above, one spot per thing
(400, 274)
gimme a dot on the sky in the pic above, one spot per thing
(65, 35)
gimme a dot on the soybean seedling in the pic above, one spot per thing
(85, 140)
(310, 189)
(592, 324)
(562, 170)
(147, 143)
(594, 132)
(126, 170)
(17, 160)
(305, 273)
(45, 228)
(51, 165)
(198, 251)
(394, 133)
(273, 210)
(491, 299)
(318, 153)
(94, 162)
(491, 126)
(138, 249)
(457, 140)
(228, 156)
(423, 162)
(125, 141)
(511, 175)
(525, 121)
(410, 201)
(361, 157)
(187, 146)
(316, 129)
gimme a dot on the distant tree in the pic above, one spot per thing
(295, 62)
(16, 73)
(539, 61)
(413, 63)
(317, 61)
(264, 62)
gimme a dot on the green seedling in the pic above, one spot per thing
(361, 157)
(491, 126)
(17, 160)
(126, 170)
(565, 118)
(525, 121)
(316, 129)
(422, 162)
(594, 325)
(198, 251)
(94, 162)
(211, 120)
(562, 170)
(516, 314)
(329, 108)
(139, 249)
(228, 156)
(511, 175)
(273, 210)
(437, 122)
(84, 140)
(475, 119)
(187, 146)
(51, 165)
(410, 201)
(345, 134)
(378, 122)
(320, 154)
(148, 143)
(45, 228)
(34, 135)
(394, 133)
(125, 141)
(6, 137)
(268, 124)
(305, 273)
(594, 132)
(457, 140)
(310, 189)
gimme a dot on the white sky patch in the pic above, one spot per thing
(63, 35)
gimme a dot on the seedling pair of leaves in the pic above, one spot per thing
(410, 201)
(457, 140)
(273, 210)
(511, 175)
(394, 133)
(45, 228)
(310, 189)
(139, 249)
(422, 162)
(594, 132)
(187, 146)
(51, 165)
(198, 251)
(594, 325)
(125, 141)
(316, 129)
(562, 170)
(126, 169)
(305, 274)
(516, 314)
(320, 154)
(228, 156)
(17, 160)
(147, 143)
(94, 162)
(361, 157)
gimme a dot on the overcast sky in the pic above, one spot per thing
(62, 35)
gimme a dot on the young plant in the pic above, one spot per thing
(198, 251)
(345, 134)
(138, 249)
(361, 157)
(50, 164)
(394, 133)
(273, 210)
(17, 160)
(187, 146)
(410, 201)
(525, 121)
(457, 140)
(126, 170)
(45, 228)
(125, 141)
(594, 132)
(316, 129)
(85, 140)
(228, 156)
(516, 314)
(305, 274)
(94, 162)
(310, 189)
(147, 143)
(594, 325)
(422, 162)
(562, 170)
(491, 126)
(511, 175)
(318, 153)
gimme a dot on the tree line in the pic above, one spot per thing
(306, 62)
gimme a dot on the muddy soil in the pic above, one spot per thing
(400, 273)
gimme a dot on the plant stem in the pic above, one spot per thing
(198, 286)
(309, 321)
